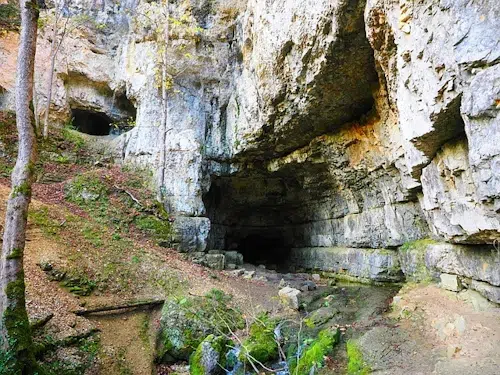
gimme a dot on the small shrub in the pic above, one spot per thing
(313, 356)
(187, 321)
(356, 364)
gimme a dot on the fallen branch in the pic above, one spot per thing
(133, 198)
(126, 305)
(39, 323)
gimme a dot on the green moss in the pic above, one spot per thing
(185, 322)
(356, 364)
(420, 245)
(87, 350)
(414, 252)
(41, 218)
(211, 346)
(89, 191)
(160, 230)
(31, 167)
(15, 254)
(261, 343)
(79, 285)
(22, 189)
(73, 137)
(313, 356)
(144, 330)
(15, 320)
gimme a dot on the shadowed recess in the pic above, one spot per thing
(93, 123)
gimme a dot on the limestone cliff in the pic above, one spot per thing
(303, 124)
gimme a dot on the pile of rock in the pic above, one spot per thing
(218, 259)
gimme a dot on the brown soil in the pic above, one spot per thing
(123, 350)
(460, 331)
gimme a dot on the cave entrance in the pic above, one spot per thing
(255, 215)
(264, 248)
(90, 122)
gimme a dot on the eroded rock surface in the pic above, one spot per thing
(347, 124)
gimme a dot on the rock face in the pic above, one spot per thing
(456, 266)
(367, 264)
(341, 124)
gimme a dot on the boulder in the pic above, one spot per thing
(186, 322)
(308, 286)
(210, 356)
(233, 257)
(215, 261)
(290, 297)
(450, 282)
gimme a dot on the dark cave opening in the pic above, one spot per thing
(255, 215)
(90, 122)
(269, 249)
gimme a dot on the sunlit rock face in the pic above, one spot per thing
(296, 125)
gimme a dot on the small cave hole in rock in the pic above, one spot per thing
(93, 123)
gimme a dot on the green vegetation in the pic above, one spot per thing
(261, 343)
(73, 137)
(15, 319)
(89, 191)
(43, 220)
(212, 347)
(158, 229)
(414, 253)
(356, 364)
(420, 245)
(84, 351)
(186, 322)
(313, 357)
(79, 285)
(144, 330)
(10, 18)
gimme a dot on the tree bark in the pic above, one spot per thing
(15, 334)
(164, 99)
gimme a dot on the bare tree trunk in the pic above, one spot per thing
(15, 334)
(164, 98)
(51, 78)
(54, 49)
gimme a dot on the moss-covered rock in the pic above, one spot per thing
(261, 344)
(210, 356)
(356, 364)
(412, 259)
(313, 355)
(186, 322)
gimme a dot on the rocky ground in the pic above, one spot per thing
(94, 240)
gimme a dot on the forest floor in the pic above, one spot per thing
(93, 240)
(94, 236)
